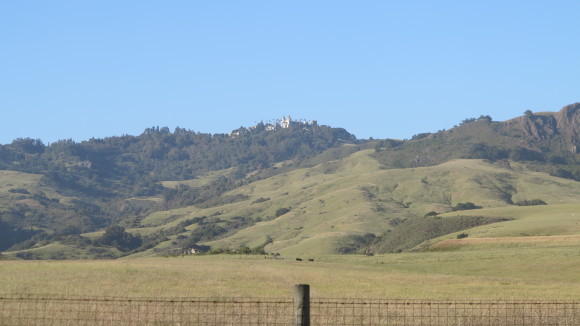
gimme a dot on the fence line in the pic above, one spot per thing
(34, 310)
(443, 313)
(44, 310)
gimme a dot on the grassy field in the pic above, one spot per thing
(520, 272)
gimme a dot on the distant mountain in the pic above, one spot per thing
(293, 187)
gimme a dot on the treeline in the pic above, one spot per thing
(113, 243)
(101, 166)
(100, 171)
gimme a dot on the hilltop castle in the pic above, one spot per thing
(276, 125)
(287, 122)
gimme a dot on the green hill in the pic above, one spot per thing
(302, 190)
(353, 205)
(359, 198)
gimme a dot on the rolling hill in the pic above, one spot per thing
(349, 209)
(305, 190)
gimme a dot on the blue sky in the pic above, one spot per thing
(382, 69)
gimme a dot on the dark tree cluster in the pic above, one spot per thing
(117, 237)
(465, 206)
(532, 202)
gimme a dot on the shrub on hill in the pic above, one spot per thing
(281, 211)
(213, 228)
(465, 206)
(355, 243)
(415, 231)
(532, 202)
(19, 191)
(571, 172)
(116, 236)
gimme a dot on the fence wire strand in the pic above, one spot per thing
(38, 310)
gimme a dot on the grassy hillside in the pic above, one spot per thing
(363, 198)
(342, 205)
(530, 226)
(27, 207)
(304, 190)
(353, 205)
(528, 242)
(92, 185)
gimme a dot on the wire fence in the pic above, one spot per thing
(443, 313)
(38, 310)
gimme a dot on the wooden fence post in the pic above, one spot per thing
(302, 305)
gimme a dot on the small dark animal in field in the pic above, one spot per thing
(298, 259)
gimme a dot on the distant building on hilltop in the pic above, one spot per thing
(286, 122)
(283, 123)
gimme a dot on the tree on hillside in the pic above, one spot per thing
(282, 211)
(117, 237)
(465, 206)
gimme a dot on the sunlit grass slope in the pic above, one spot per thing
(532, 226)
(202, 180)
(355, 196)
(12, 183)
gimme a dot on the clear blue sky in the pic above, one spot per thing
(382, 69)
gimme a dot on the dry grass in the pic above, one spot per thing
(160, 289)
(511, 273)
(354, 196)
(508, 242)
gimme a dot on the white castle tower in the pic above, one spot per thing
(286, 122)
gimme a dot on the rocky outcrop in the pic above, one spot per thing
(539, 127)
(568, 120)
